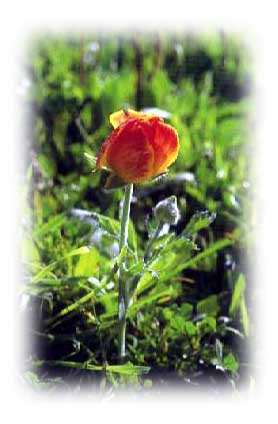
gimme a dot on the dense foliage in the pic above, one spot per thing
(190, 319)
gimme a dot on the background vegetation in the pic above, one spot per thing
(190, 320)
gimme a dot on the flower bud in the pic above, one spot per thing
(141, 147)
(167, 211)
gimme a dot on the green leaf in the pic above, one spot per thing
(178, 245)
(186, 310)
(75, 305)
(208, 306)
(30, 253)
(52, 225)
(121, 256)
(178, 323)
(133, 238)
(108, 224)
(165, 265)
(67, 364)
(207, 325)
(191, 329)
(47, 166)
(199, 221)
(84, 250)
(151, 298)
(244, 317)
(128, 369)
(230, 363)
(88, 265)
(237, 295)
(189, 263)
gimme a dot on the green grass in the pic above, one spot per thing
(189, 316)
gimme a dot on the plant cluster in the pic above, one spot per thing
(190, 232)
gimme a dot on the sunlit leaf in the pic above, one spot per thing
(88, 265)
(238, 292)
(230, 363)
(244, 317)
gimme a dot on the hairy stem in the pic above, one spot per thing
(123, 289)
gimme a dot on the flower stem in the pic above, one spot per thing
(123, 289)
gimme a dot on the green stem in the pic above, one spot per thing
(123, 289)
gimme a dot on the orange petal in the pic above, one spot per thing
(166, 146)
(117, 118)
(131, 155)
(102, 156)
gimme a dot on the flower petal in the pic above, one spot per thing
(102, 155)
(140, 148)
(117, 118)
(131, 155)
(165, 143)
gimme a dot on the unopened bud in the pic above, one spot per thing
(167, 211)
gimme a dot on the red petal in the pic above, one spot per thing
(130, 155)
(165, 143)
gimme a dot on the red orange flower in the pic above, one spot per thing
(141, 146)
